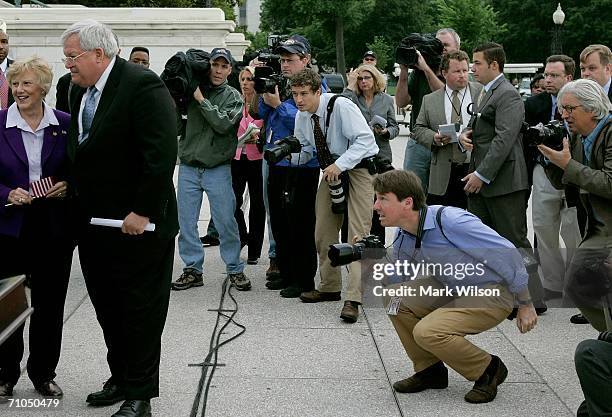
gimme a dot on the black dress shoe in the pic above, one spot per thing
(49, 389)
(6, 391)
(278, 284)
(134, 408)
(111, 393)
(579, 319)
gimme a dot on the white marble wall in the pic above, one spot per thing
(163, 31)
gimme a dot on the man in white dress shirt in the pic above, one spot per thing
(343, 148)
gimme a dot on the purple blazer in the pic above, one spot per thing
(14, 172)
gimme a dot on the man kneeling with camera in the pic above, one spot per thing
(345, 147)
(441, 307)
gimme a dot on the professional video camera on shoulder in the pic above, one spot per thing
(426, 43)
(282, 149)
(183, 73)
(549, 134)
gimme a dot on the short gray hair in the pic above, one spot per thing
(590, 95)
(93, 34)
(453, 33)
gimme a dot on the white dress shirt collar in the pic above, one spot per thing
(606, 86)
(490, 84)
(104, 77)
(14, 119)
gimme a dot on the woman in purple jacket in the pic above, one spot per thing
(34, 228)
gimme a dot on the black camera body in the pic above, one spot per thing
(285, 147)
(266, 80)
(406, 55)
(345, 253)
(549, 134)
(426, 43)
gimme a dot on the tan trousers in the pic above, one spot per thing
(328, 227)
(433, 329)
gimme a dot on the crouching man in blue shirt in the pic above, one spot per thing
(440, 307)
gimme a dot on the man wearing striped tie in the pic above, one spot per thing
(6, 97)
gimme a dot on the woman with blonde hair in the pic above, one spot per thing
(35, 236)
(366, 86)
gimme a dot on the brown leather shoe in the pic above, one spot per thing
(436, 377)
(485, 388)
(316, 296)
(6, 391)
(49, 389)
(350, 311)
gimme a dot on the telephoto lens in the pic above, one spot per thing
(338, 200)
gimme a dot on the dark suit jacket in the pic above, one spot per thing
(11, 100)
(431, 116)
(498, 149)
(65, 93)
(127, 162)
(14, 172)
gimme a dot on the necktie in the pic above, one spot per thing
(480, 97)
(557, 114)
(456, 105)
(323, 153)
(88, 112)
(3, 91)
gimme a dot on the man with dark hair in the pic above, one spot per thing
(290, 186)
(552, 213)
(443, 107)
(411, 89)
(343, 147)
(432, 328)
(140, 56)
(497, 183)
(6, 96)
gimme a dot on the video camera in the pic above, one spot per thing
(345, 253)
(183, 73)
(427, 44)
(282, 149)
(268, 76)
(549, 134)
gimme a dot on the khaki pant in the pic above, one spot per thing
(433, 329)
(328, 226)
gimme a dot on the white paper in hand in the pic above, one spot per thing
(248, 134)
(97, 221)
(450, 131)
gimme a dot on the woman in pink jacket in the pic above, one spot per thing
(246, 169)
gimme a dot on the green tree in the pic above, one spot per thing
(476, 21)
(384, 52)
(326, 18)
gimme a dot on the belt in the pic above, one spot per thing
(459, 164)
(364, 163)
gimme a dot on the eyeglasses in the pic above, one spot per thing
(73, 59)
(366, 78)
(369, 59)
(569, 109)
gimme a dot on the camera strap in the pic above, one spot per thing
(419, 235)
(330, 109)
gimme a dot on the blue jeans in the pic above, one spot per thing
(216, 182)
(417, 159)
(265, 171)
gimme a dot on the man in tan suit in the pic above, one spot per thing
(442, 107)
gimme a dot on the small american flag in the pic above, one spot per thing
(40, 187)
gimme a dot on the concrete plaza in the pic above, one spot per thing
(299, 360)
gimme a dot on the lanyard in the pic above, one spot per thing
(453, 106)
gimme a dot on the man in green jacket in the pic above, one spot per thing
(206, 148)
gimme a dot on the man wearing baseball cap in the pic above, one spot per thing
(369, 58)
(206, 148)
(289, 189)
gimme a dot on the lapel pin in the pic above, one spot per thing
(63, 132)
(54, 133)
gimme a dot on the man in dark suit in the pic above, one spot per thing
(123, 151)
(6, 96)
(448, 105)
(552, 213)
(497, 182)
